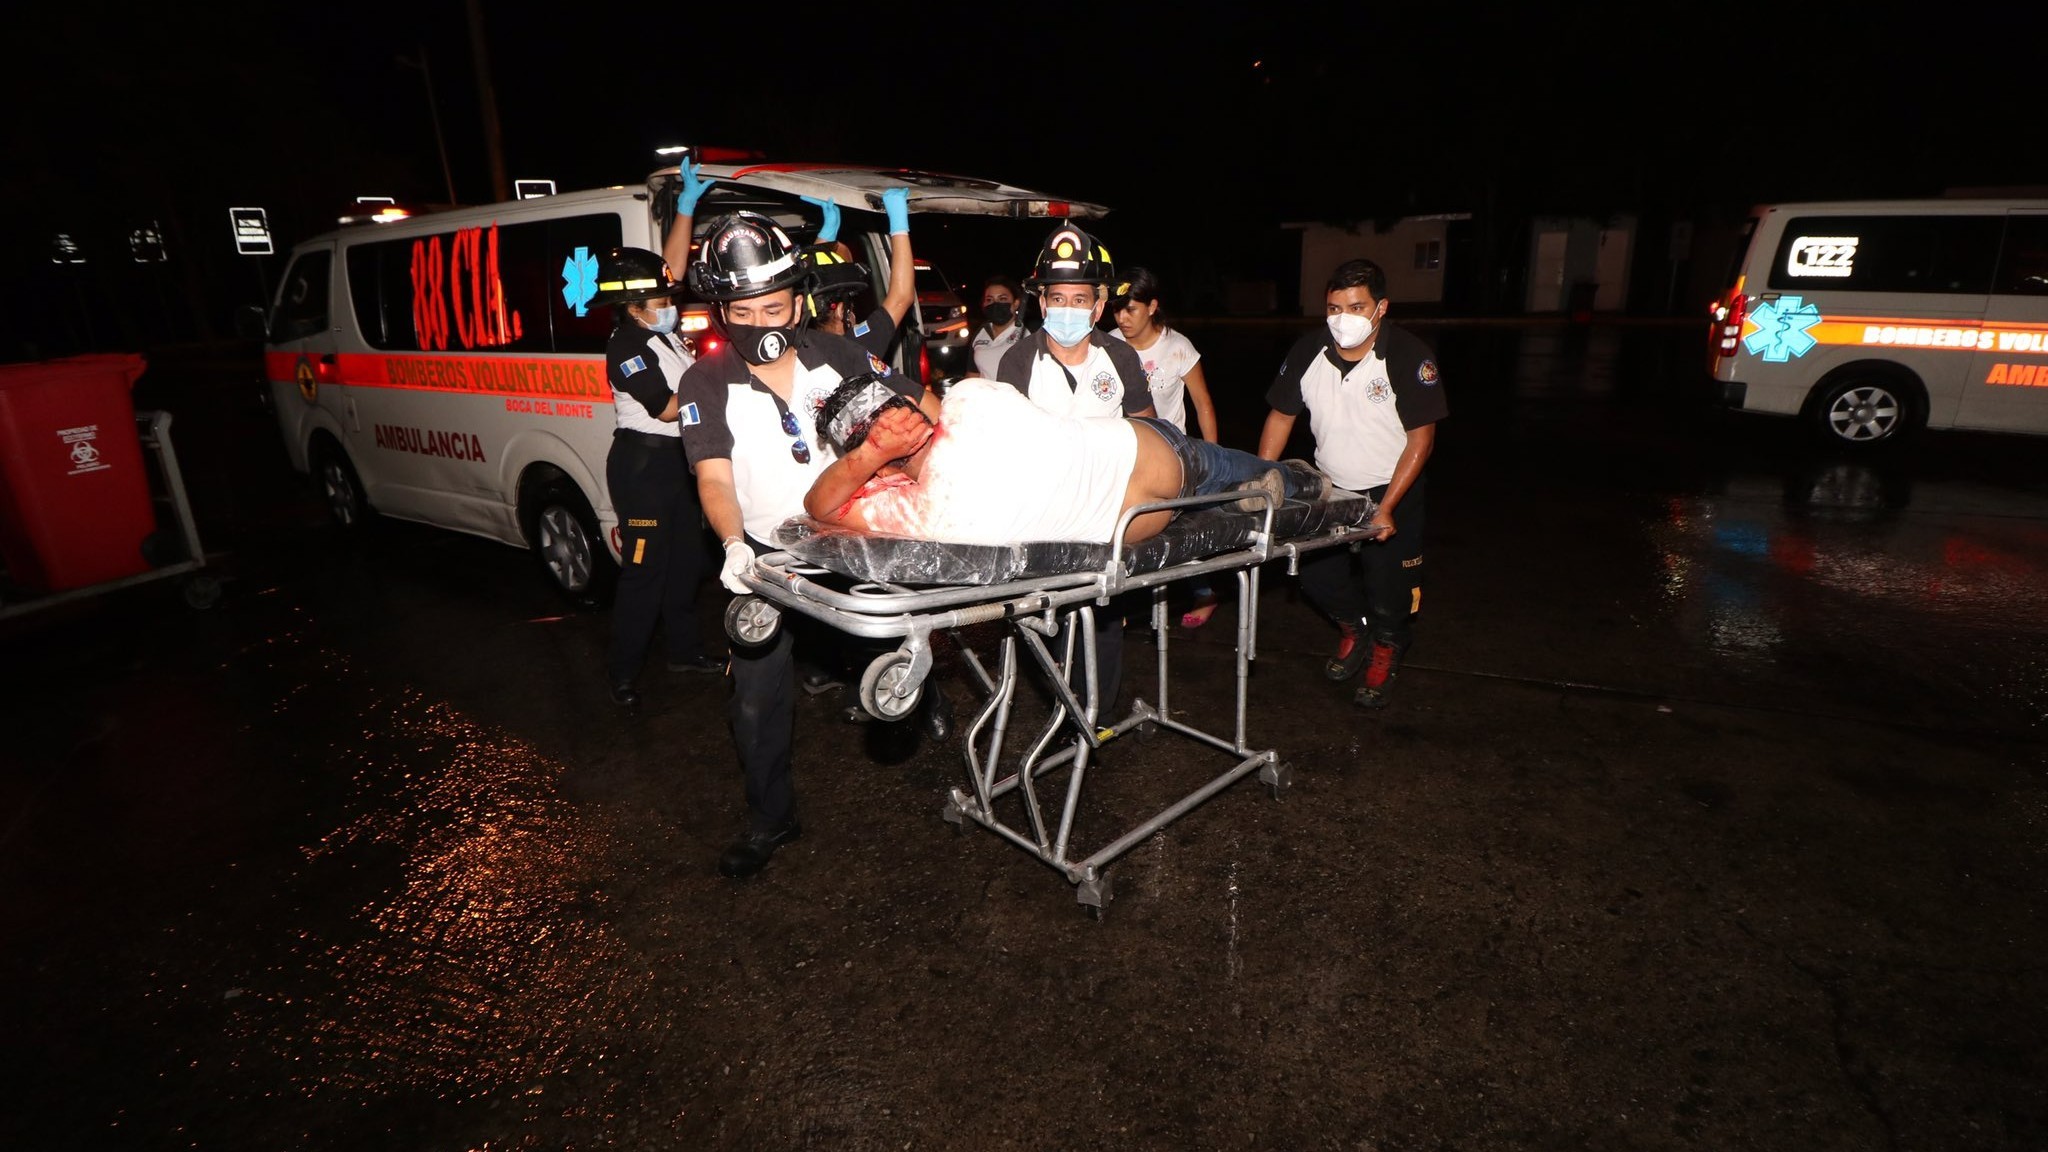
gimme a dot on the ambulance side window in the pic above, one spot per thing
(1940, 254)
(302, 300)
(567, 237)
(383, 308)
(2023, 266)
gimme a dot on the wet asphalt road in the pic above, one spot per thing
(1711, 814)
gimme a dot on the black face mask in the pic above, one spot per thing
(999, 313)
(757, 345)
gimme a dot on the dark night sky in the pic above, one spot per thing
(1202, 122)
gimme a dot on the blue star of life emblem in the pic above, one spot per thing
(1781, 329)
(579, 280)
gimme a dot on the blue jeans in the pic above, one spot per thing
(1207, 469)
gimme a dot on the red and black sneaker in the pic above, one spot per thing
(1379, 676)
(1351, 653)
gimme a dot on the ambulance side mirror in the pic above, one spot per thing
(251, 324)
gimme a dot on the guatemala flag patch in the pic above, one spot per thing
(688, 415)
(633, 367)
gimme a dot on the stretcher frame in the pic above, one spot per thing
(1037, 611)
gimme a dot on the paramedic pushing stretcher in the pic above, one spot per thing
(746, 413)
(1374, 396)
(661, 558)
(1070, 369)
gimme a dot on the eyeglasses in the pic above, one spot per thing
(799, 451)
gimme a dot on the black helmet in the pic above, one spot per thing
(628, 274)
(745, 255)
(1071, 256)
(833, 277)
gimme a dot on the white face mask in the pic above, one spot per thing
(1069, 326)
(1349, 329)
(664, 319)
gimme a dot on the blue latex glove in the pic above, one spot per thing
(896, 201)
(693, 190)
(828, 228)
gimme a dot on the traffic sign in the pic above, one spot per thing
(252, 231)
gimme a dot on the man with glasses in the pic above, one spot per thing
(747, 413)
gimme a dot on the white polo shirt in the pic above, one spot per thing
(1167, 364)
(728, 414)
(989, 347)
(1360, 413)
(1109, 383)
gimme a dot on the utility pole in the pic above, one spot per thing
(487, 99)
(434, 110)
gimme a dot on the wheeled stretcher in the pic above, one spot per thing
(1046, 594)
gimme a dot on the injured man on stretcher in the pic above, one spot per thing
(984, 465)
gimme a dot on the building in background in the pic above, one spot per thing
(1421, 256)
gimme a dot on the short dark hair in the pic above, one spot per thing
(1001, 281)
(1358, 274)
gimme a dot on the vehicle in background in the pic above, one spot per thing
(1870, 320)
(448, 368)
(948, 330)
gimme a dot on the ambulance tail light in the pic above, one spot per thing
(924, 364)
(1729, 313)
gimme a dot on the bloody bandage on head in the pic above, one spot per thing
(853, 421)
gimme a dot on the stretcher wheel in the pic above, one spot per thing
(881, 684)
(752, 622)
(1277, 777)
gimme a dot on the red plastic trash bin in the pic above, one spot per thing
(74, 498)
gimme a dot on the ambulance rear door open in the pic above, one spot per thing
(862, 188)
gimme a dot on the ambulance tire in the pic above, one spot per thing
(563, 533)
(340, 488)
(1863, 407)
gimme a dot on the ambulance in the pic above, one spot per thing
(448, 368)
(1870, 320)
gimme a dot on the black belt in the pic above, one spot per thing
(646, 439)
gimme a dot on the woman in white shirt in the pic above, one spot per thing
(1174, 369)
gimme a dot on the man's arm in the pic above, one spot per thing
(898, 433)
(720, 499)
(1273, 437)
(1421, 441)
(675, 247)
(902, 278)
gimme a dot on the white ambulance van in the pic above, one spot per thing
(1870, 320)
(448, 368)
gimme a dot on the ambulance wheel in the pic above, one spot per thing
(1862, 408)
(881, 684)
(752, 622)
(201, 592)
(339, 485)
(565, 539)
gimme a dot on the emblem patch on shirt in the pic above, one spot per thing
(860, 329)
(688, 415)
(1427, 373)
(633, 367)
(1104, 386)
(1377, 390)
(875, 362)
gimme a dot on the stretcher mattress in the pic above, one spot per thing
(1192, 536)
